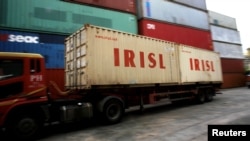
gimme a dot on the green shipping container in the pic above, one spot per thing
(56, 16)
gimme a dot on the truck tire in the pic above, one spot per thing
(200, 97)
(209, 95)
(24, 127)
(113, 111)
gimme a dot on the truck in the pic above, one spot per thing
(106, 72)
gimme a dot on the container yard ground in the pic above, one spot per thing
(177, 122)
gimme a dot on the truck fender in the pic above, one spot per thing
(101, 103)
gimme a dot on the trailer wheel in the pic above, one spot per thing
(113, 111)
(200, 97)
(209, 95)
(24, 127)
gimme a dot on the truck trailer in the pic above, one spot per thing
(106, 72)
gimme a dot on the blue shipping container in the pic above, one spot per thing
(50, 46)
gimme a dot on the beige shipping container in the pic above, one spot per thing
(198, 65)
(97, 56)
(101, 56)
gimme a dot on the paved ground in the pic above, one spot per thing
(182, 122)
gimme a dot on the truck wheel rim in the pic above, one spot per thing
(27, 126)
(113, 111)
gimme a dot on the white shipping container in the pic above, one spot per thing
(108, 57)
(225, 35)
(173, 12)
(222, 20)
(200, 4)
(227, 50)
(198, 65)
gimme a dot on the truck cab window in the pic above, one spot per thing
(10, 68)
(35, 66)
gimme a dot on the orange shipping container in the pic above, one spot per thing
(101, 56)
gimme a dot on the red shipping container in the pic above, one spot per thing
(176, 33)
(232, 65)
(120, 5)
(233, 80)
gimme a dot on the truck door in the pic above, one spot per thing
(36, 81)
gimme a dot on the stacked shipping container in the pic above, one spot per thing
(41, 26)
(226, 41)
(119, 5)
(56, 16)
(170, 20)
(41, 20)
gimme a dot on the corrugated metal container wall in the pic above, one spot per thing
(176, 33)
(232, 65)
(50, 46)
(107, 57)
(225, 35)
(233, 80)
(198, 65)
(61, 17)
(227, 50)
(222, 20)
(200, 4)
(172, 12)
(121, 5)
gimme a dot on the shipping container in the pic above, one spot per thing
(222, 20)
(225, 35)
(198, 65)
(233, 80)
(232, 65)
(168, 11)
(100, 56)
(120, 5)
(56, 16)
(200, 4)
(48, 45)
(228, 50)
(106, 57)
(176, 33)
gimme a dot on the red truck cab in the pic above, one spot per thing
(28, 102)
(22, 82)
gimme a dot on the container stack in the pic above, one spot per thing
(226, 41)
(56, 16)
(41, 26)
(180, 21)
